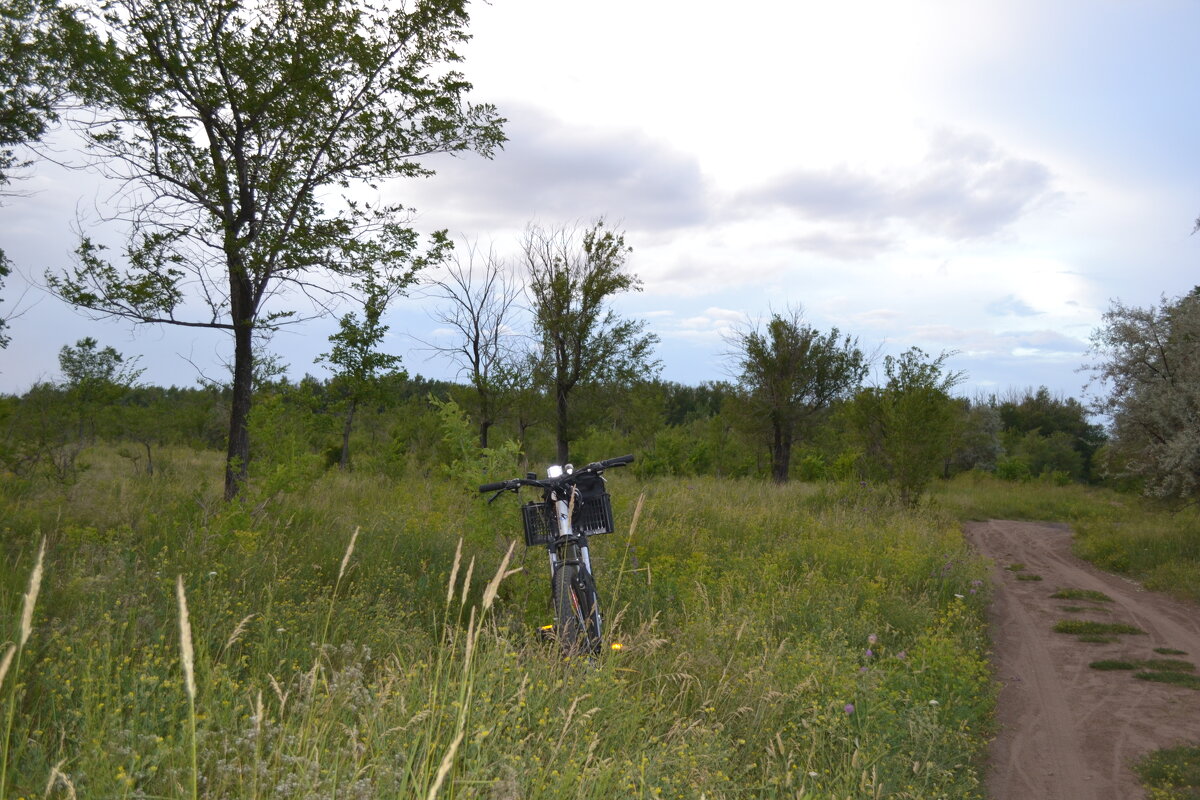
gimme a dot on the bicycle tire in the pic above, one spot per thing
(575, 613)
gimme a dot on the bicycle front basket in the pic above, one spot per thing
(540, 524)
(592, 517)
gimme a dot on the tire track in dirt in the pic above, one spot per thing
(1066, 731)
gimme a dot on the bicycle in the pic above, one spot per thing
(574, 506)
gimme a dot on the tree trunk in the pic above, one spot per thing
(561, 425)
(237, 460)
(781, 454)
(484, 424)
(344, 461)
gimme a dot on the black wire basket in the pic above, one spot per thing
(592, 517)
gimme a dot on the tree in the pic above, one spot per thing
(95, 377)
(1147, 373)
(36, 77)
(908, 427)
(789, 373)
(1046, 415)
(478, 304)
(572, 278)
(235, 124)
(357, 364)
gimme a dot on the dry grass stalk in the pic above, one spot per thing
(238, 630)
(493, 587)
(35, 584)
(444, 769)
(58, 776)
(467, 582)
(349, 551)
(6, 662)
(185, 641)
(454, 573)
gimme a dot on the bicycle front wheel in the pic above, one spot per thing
(577, 620)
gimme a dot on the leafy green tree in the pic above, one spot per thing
(1147, 378)
(235, 124)
(95, 377)
(572, 279)
(1050, 415)
(908, 426)
(36, 77)
(358, 364)
(790, 373)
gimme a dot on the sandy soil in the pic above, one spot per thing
(1069, 732)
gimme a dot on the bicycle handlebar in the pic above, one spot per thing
(596, 466)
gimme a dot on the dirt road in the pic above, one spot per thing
(1067, 731)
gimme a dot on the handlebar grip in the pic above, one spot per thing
(619, 461)
(494, 487)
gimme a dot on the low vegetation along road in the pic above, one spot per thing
(1071, 643)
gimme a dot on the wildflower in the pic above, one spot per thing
(872, 639)
(959, 596)
(903, 654)
(870, 653)
(934, 703)
(812, 774)
(862, 669)
(848, 708)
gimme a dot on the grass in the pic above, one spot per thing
(1089, 627)
(1173, 677)
(1028, 576)
(1082, 594)
(1169, 651)
(778, 642)
(1171, 774)
(1117, 532)
(1156, 664)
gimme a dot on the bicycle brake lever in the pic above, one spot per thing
(492, 499)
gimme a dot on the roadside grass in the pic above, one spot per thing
(1171, 774)
(1117, 532)
(1082, 594)
(1173, 677)
(778, 642)
(1092, 628)
(1169, 651)
(1029, 576)
(1155, 664)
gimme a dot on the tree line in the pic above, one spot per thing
(251, 139)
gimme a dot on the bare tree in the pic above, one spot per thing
(479, 302)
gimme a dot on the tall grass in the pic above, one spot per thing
(778, 642)
(1117, 532)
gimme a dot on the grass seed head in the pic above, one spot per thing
(35, 585)
(187, 657)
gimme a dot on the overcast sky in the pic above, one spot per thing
(980, 177)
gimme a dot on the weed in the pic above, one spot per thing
(1029, 576)
(1113, 665)
(1091, 627)
(1172, 677)
(1171, 774)
(1081, 594)
(1169, 651)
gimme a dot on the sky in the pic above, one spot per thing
(982, 178)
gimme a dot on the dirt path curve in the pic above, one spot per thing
(1069, 732)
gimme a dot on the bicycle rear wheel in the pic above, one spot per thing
(577, 623)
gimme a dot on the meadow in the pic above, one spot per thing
(361, 636)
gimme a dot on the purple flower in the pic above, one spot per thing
(903, 654)
(862, 669)
(870, 653)
(872, 639)
(848, 708)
